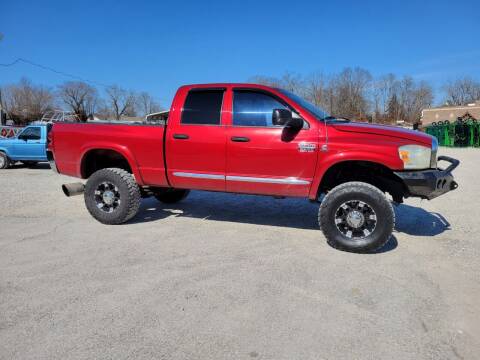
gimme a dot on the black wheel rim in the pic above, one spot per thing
(107, 197)
(355, 219)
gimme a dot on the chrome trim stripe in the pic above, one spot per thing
(288, 181)
(199, 176)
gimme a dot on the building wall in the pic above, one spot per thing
(451, 113)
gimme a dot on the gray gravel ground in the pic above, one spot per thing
(234, 277)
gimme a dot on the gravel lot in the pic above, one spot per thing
(234, 277)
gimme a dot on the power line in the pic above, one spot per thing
(18, 60)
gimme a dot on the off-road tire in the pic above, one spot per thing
(171, 196)
(4, 161)
(128, 189)
(372, 196)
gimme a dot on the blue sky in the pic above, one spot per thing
(158, 45)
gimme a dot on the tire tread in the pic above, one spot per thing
(7, 160)
(134, 195)
(348, 187)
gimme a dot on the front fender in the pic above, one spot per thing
(122, 150)
(329, 159)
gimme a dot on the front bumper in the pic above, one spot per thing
(428, 184)
(51, 160)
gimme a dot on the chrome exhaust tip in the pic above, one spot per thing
(73, 189)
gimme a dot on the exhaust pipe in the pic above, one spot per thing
(73, 189)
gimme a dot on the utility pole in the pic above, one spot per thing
(1, 109)
(2, 119)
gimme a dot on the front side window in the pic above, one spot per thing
(203, 107)
(319, 113)
(32, 133)
(251, 108)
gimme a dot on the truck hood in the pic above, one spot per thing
(385, 130)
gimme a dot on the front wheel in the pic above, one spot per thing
(4, 161)
(357, 217)
(112, 196)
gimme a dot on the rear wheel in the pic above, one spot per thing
(356, 216)
(171, 196)
(112, 196)
(4, 161)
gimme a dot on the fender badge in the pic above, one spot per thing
(307, 147)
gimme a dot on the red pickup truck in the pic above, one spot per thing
(253, 139)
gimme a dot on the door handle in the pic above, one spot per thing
(240, 139)
(180, 136)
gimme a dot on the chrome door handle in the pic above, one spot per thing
(240, 139)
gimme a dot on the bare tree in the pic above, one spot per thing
(462, 91)
(80, 97)
(394, 109)
(355, 94)
(350, 89)
(423, 98)
(344, 94)
(383, 89)
(266, 80)
(121, 102)
(26, 102)
(289, 81)
(146, 104)
(293, 82)
(317, 90)
(413, 97)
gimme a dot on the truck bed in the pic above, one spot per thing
(141, 145)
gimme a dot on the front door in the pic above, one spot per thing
(28, 145)
(263, 158)
(196, 142)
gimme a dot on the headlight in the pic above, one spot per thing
(415, 156)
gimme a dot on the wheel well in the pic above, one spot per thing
(98, 159)
(372, 173)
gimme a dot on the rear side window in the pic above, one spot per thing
(251, 108)
(203, 107)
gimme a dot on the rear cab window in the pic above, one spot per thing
(203, 107)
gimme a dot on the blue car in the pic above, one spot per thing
(29, 146)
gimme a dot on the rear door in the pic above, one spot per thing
(263, 158)
(195, 141)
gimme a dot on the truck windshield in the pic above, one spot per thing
(319, 113)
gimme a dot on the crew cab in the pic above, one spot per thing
(254, 139)
(29, 146)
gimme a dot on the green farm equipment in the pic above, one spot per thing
(461, 133)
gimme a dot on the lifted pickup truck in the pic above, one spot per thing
(254, 139)
(29, 146)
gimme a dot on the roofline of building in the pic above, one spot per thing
(453, 108)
